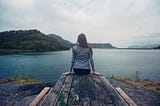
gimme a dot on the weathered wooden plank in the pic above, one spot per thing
(64, 94)
(94, 96)
(83, 90)
(39, 96)
(84, 99)
(101, 92)
(74, 93)
(52, 96)
(116, 98)
(126, 97)
(44, 98)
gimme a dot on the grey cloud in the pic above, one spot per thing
(111, 21)
(152, 38)
(154, 35)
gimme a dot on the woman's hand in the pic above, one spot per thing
(97, 73)
(66, 73)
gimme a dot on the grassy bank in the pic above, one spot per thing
(19, 79)
(141, 83)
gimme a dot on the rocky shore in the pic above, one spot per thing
(141, 96)
(18, 94)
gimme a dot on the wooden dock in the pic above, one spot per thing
(80, 90)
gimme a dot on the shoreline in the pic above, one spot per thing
(19, 51)
(14, 51)
(145, 84)
(23, 92)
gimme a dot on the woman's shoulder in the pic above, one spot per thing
(75, 47)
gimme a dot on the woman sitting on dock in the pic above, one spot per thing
(82, 57)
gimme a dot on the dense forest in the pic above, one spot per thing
(32, 40)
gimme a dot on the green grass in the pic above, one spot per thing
(141, 83)
(19, 79)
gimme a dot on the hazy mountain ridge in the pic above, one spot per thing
(144, 46)
(101, 45)
(70, 44)
(61, 40)
(32, 40)
(158, 47)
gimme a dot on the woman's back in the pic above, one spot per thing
(82, 54)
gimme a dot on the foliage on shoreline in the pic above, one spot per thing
(18, 79)
(141, 83)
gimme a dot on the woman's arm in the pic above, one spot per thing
(92, 64)
(91, 60)
(73, 59)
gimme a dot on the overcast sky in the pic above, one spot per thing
(119, 22)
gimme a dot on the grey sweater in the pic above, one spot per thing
(82, 58)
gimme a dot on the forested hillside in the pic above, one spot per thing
(32, 40)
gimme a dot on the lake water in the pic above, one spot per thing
(48, 66)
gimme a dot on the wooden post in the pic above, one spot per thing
(53, 95)
(117, 99)
(39, 96)
(126, 97)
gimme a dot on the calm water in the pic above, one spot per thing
(48, 66)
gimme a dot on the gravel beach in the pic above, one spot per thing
(142, 97)
(16, 94)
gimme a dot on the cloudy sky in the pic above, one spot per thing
(119, 22)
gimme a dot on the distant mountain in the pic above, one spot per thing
(101, 45)
(32, 40)
(70, 44)
(144, 46)
(61, 40)
(158, 47)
